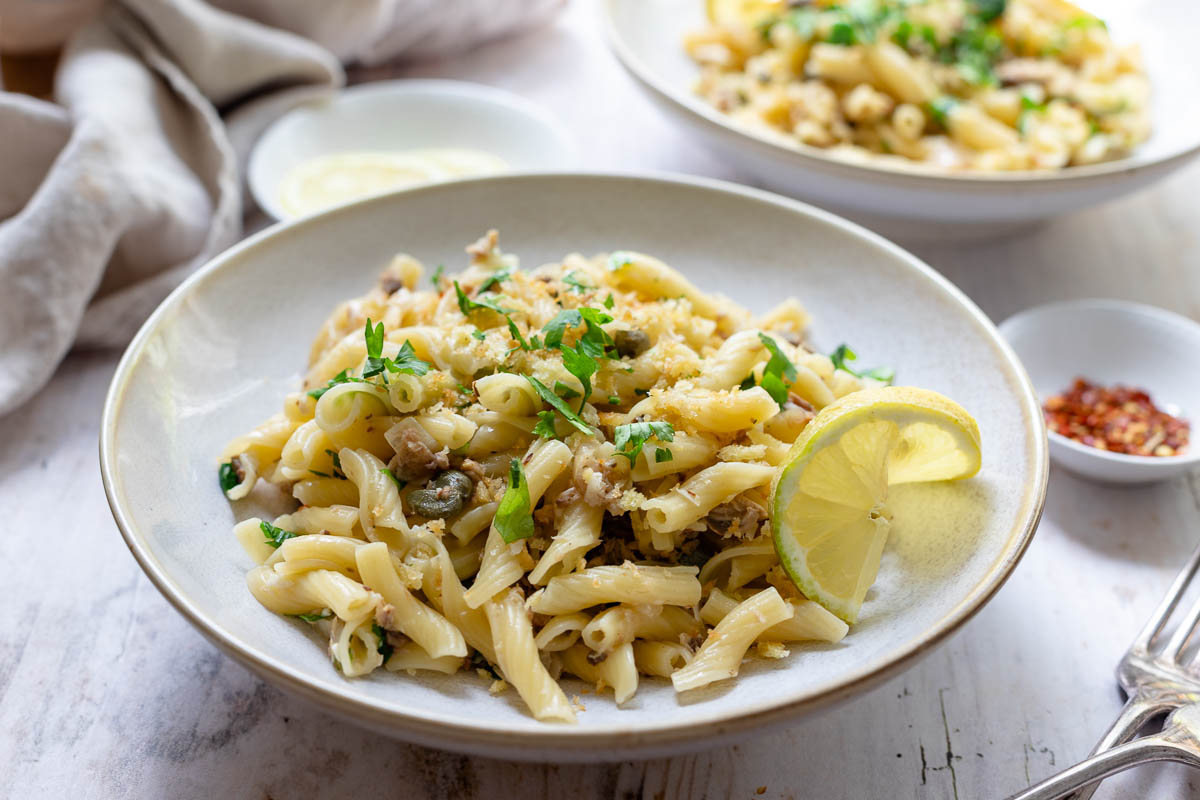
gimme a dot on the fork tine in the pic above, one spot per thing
(1183, 633)
(1167, 607)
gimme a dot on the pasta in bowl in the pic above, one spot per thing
(537, 472)
(222, 353)
(967, 124)
(945, 84)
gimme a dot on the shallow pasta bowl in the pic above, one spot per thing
(647, 36)
(220, 353)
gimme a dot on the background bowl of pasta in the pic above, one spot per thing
(966, 177)
(220, 354)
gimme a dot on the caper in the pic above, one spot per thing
(432, 504)
(631, 343)
(459, 483)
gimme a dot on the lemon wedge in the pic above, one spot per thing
(828, 509)
(747, 13)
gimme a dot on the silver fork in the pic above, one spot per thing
(1155, 679)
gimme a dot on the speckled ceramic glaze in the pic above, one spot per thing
(647, 35)
(220, 353)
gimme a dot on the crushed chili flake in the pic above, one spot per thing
(1120, 419)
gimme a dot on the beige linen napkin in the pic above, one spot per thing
(130, 180)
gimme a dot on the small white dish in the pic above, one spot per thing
(647, 36)
(397, 116)
(221, 351)
(1109, 342)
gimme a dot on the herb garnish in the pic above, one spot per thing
(436, 277)
(227, 476)
(779, 373)
(337, 465)
(495, 279)
(467, 305)
(385, 648)
(630, 439)
(342, 377)
(325, 614)
(571, 280)
(844, 354)
(545, 426)
(558, 405)
(399, 483)
(275, 536)
(514, 517)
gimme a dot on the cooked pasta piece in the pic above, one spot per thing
(627, 583)
(517, 657)
(721, 655)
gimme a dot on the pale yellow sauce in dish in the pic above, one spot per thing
(337, 178)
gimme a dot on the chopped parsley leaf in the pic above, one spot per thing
(275, 536)
(779, 373)
(406, 360)
(319, 474)
(630, 439)
(227, 476)
(662, 454)
(940, 108)
(514, 517)
(342, 377)
(385, 648)
(516, 335)
(374, 337)
(436, 277)
(582, 366)
(478, 335)
(844, 354)
(495, 279)
(325, 614)
(399, 483)
(467, 305)
(988, 10)
(571, 280)
(545, 426)
(337, 460)
(748, 382)
(608, 301)
(555, 328)
(558, 405)
(613, 400)
(564, 391)
(842, 33)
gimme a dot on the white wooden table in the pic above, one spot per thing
(105, 691)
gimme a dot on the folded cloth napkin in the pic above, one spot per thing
(130, 180)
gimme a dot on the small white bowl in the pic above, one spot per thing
(647, 36)
(1108, 342)
(390, 116)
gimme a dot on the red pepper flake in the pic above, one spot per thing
(1120, 419)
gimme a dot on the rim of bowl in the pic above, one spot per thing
(915, 177)
(1129, 307)
(539, 116)
(478, 735)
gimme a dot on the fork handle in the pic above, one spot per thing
(1110, 762)
(1139, 709)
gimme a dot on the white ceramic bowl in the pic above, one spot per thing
(403, 115)
(1112, 341)
(647, 36)
(224, 348)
